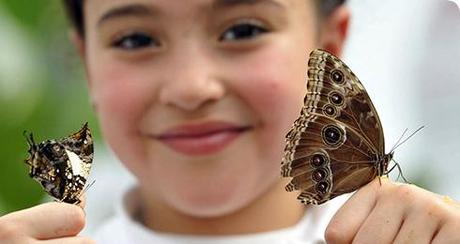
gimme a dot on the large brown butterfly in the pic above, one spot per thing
(62, 166)
(337, 144)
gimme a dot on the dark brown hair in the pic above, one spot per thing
(74, 9)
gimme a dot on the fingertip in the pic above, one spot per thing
(384, 177)
(382, 180)
(76, 217)
(82, 203)
(379, 184)
(51, 220)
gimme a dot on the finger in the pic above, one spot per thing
(449, 233)
(69, 240)
(450, 225)
(383, 223)
(424, 218)
(349, 218)
(396, 202)
(49, 220)
(418, 227)
(82, 203)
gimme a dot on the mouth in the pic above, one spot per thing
(201, 139)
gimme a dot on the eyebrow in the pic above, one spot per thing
(138, 9)
(232, 3)
(127, 10)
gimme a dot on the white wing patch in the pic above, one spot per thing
(78, 167)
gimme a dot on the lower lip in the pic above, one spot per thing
(201, 145)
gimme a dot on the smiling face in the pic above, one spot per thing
(195, 98)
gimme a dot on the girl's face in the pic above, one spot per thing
(195, 96)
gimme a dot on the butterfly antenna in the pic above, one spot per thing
(400, 173)
(29, 138)
(86, 188)
(397, 142)
(411, 135)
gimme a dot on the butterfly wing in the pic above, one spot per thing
(334, 145)
(80, 153)
(62, 166)
(81, 143)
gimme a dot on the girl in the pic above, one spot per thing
(195, 98)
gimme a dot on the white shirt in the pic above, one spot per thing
(109, 209)
(123, 228)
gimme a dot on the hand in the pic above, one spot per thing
(47, 223)
(390, 212)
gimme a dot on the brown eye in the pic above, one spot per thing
(242, 32)
(134, 41)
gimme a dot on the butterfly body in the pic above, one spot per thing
(336, 145)
(62, 166)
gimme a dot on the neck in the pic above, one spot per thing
(274, 210)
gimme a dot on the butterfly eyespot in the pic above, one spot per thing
(337, 76)
(321, 187)
(319, 175)
(332, 135)
(318, 160)
(329, 110)
(336, 98)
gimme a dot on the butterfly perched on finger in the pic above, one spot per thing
(62, 166)
(337, 144)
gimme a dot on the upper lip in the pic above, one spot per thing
(193, 130)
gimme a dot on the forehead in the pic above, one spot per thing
(187, 3)
(100, 8)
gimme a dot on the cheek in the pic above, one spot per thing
(121, 94)
(273, 83)
(118, 94)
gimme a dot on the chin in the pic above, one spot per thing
(211, 203)
(213, 200)
(209, 210)
(215, 187)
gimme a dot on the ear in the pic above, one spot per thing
(78, 42)
(334, 30)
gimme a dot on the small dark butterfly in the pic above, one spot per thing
(337, 144)
(62, 166)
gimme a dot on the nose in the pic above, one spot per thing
(192, 82)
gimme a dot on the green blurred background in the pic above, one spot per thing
(42, 90)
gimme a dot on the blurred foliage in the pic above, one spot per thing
(42, 90)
